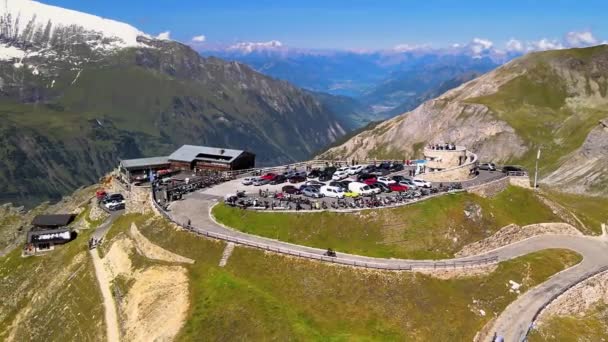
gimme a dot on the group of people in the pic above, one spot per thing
(94, 242)
(448, 147)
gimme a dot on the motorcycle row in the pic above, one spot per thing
(280, 201)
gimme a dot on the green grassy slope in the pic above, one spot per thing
(590, 326)
(555, 103)
(260, 296)
(435, 228)
(53, 297)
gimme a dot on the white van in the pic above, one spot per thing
(332, 191)
(360, 188)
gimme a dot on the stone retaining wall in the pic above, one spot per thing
(490, 189)
(521, 181)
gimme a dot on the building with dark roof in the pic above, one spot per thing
(190, 157)
(53, 221)
(187, 158)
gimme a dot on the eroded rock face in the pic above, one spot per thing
(585, 170)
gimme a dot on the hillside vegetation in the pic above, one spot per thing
(70, 113)
(551, 100)
(271, 297)
(433, 229)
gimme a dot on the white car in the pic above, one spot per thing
(421, 183)
(340, 175)
(248, 180)
(332, 191)
(353, 170)
(386, 181)
(360, 188)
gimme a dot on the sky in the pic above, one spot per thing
(359, 24)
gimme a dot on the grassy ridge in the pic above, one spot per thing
(260, 296)
(435, 228)
(549, 110)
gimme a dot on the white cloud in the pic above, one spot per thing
(164, 35)
(251, 46)
(479, 45)
(410, 47)
(514, 45)
(580, 38)
(545, 44)
(199, 39)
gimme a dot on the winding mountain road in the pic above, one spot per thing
(512, 324)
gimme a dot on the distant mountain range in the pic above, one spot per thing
(382, 83)
(555, 101)
(78, 92)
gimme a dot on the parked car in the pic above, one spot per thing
(421, 183)
(386, 180)
(385, 165)
(313, 183)
(260, 181)
(353, 170)
(314, 173)
(297, 179)
(269, 176)
(397, 167)
(409, 183)
(332, 191)
(113, 206)
(350, 194)
(248, 180)
(339, 175)
(512, 168)
(330, 170)
(279, 179)
(383, 187)
(325, 176)
(114, 200)
(360, 188)
(398, 178)
(375, 187)
(310, 191)
(370, 181)
(380, 172)
(398, 187)
(290, 189)
(487, 166)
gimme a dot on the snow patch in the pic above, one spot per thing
(10, 52)
(25, 17)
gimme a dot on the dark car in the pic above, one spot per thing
(385, 165)
(325, 176)
(397, 167)
(290, 189)
(379, 172)
(363, 176)
(297, 179)
(114, 198)
(314, 173)
(512, 168)
(329, 170)
(398, 178)
(279, 179)
(382, 187)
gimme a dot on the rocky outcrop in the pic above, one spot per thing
(585, 171)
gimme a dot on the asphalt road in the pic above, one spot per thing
(512, 324)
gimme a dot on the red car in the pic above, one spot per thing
(397, 187)
(370, 181)
(269, 176)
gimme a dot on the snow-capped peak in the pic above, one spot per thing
(26, 21)
(248, 47)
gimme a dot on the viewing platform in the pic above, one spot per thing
(448, 162)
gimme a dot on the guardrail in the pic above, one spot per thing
(415, 264)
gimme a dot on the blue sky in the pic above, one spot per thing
(355, 24)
